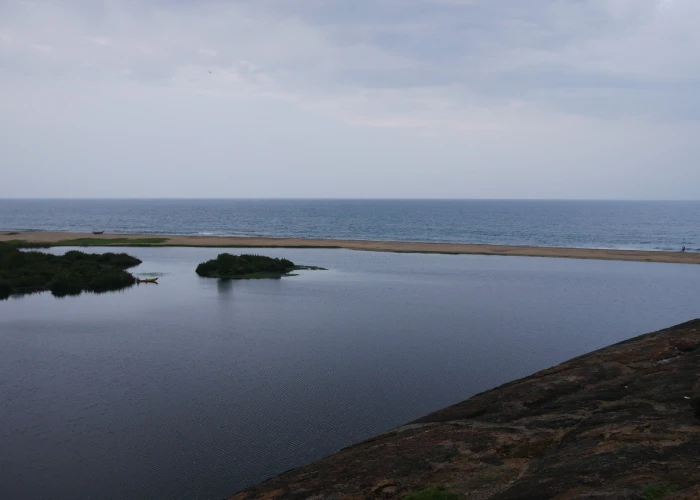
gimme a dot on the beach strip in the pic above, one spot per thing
(76, 239)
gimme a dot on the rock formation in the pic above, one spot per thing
(618, 423)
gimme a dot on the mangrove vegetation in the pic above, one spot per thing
(74, 272)
(247, 266)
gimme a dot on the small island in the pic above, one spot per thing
(24, 272)
(248, 266)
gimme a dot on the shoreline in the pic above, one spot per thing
(56, 238)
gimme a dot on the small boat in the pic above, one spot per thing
(147, 280)
(98, 232)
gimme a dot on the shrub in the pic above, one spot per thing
(65, 285)
(69, 274)
(5, 289)
(227, 265)
(110, 280)
(74, 255)
(207, 268)
(12, 260)
(120, 260)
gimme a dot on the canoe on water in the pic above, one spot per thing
(147, 280)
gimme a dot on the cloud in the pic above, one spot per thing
(546, 55)
(496, 72)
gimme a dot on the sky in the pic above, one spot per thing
(583, 99)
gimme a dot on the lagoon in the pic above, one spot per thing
(196, 388)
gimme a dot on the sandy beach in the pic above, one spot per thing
(373, 246)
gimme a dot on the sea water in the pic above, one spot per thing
(644, 225)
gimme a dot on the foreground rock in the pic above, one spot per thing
(618, 423)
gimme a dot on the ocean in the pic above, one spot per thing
(643, 225)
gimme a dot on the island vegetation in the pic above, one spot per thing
(23, 272)
(247, 266)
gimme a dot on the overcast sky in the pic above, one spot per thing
(350, 98)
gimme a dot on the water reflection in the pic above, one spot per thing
(224, 287)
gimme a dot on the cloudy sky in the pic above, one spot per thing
(350, 98)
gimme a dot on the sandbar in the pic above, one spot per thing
(59, 238)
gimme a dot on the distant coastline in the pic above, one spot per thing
(54, 238)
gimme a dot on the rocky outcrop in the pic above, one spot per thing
(618, 423)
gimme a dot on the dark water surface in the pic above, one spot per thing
(196, 388)
(643, 225)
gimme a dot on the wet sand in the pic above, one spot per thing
(374, 246)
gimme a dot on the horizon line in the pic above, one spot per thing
(138, 198)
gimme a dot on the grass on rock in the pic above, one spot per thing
(658, 492)
(434, 493)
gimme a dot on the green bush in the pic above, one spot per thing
(226, 263)
(232, 266)
(69, 274)
(120, 260)
(110, 280)
(434, 493)
(5, 290)
(65, 285)
(74, 255)
(12, 260)
(207, 268)
(658, 492)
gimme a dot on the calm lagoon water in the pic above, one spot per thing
(196, 388)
